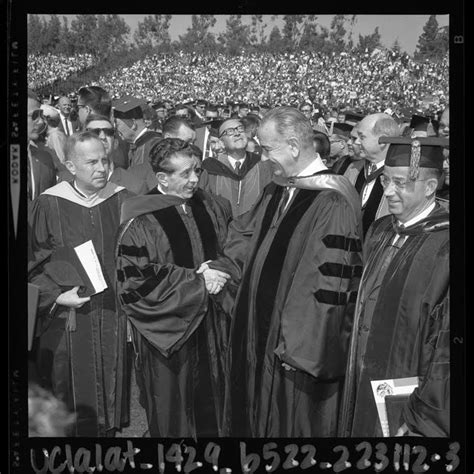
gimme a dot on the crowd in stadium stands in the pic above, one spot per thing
(46, 69)
(369, 82)
(273, 237)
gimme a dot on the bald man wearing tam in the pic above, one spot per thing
(401, 326)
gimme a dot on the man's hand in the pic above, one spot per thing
(72, 299)
(287, 367)
(214, 279)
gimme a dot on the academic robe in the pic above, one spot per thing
(376, 205)
(84, 367)
(139, 151)
(241, 190)
(427, 411)
(179, 330)
(400, 305)
(298, 279)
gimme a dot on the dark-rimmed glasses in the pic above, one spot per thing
(108, 132)
(232, 130)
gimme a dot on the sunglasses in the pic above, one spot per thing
(36, 114)
(108, 132)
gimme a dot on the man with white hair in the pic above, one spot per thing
(81, 338)
(296, 255)
(365, 178)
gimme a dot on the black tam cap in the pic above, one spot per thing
(415, 153)
(342, 129)
(128, 107)
(353, 118)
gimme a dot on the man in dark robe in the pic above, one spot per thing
(297, 257)
(365, 176)
(81, 340)
(178, 330)
(236, 175)
(401, 309)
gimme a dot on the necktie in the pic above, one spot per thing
(283, 202)
(66, 127)
(237, 167)
(371, 168)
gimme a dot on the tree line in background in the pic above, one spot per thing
(106, 35)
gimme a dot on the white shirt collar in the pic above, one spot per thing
(419, 217)
(314, 167)
(232, 161)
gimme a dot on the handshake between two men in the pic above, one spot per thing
(215, 279)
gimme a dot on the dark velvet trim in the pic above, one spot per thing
(333, 241)
(334, 298)
(269, 213)
(215, 167)
(340, 270)
(371, 206)
(272, 268)
(149, 285)
(240, 329)
(359, 184)
(205, 226)
(342, 168)
(133, 251)
(178, 237)
(131, 271)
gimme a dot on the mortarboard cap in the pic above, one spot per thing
(422, 126)
(214, 126)
(353, 118)
(415, 153)
(342, 129)
(128, 107)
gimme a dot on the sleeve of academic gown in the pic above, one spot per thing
(163, 301)
(318, 309)
(428, 409)
(238, 243)
(43, 242)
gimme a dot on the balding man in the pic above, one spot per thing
(296, 255)
(81, 339)
(364, 174)
(66, 124)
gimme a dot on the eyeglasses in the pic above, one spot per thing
(36, 114)
(397, 182)
(108, 132)
(232, 130)
(305, 110)
(81, 105)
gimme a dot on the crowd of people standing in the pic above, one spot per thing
(264, 260)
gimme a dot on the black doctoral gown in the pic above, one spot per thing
(179, 330)
(299, 275)
(400, 313)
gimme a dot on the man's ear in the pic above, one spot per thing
(294, 144)
(162, 179)
(431, 186)
(134, 125)
(71, 167)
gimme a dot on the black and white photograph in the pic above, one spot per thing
(236, 237)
